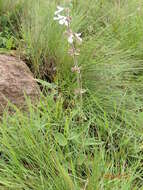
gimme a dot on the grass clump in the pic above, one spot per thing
(50, 146)
(47, 148)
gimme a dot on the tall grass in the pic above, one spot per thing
(34, 156)
(49, 147)
(111, 54)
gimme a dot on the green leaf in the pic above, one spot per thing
(9, 43)
(74, 135)
(60, 138)
(140, 116)
(89, 142)
(81, 159)
(46, 84)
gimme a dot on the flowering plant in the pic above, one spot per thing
(73, 39)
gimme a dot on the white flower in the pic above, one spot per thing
(70, 38)
(57, 17)
(77, 35)
(76, 69)
(73, 36)
(62, 20)
(74, 52)
(59, 10)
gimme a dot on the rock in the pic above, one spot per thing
(16, 81)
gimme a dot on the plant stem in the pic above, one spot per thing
(78, 73)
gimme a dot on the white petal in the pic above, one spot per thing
(59, 9)
(57, 12)
(61, 21)
(66, 23)
(70, 39)
(58, 17)
(61, 17)
(78, 34)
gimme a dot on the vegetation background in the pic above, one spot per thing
(51, 147)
